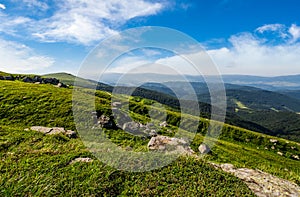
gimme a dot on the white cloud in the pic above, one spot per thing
(36, 4)
(11, 25)
(84, 22)
(294, 30)
(270, 27)
(275, 28)
(250, 55)
(127, 64)
(17, 58)
(79, 21)
(2, 6)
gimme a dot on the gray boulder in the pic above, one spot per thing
(81, 159)
(204, 149)
(106, 122)
(43, 130)
(172, 145)
(27, 80)
(53, 131)
(261, 183)
(56, 130)
(153, 133)
(70, 134)
(10, 78)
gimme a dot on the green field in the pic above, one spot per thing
(33, 164)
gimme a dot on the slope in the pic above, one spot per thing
(43, 160)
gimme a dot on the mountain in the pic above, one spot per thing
(290, 82)
(238, 97)
(167, 97)
(247, 106)
(260, 110)
(34, 162)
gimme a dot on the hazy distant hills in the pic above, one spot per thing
(238, 97)
(271, 112)
(291, 82)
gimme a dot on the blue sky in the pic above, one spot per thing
(256, 37)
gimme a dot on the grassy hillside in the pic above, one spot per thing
(164, 96)
(250, 97)
(69, 79)
(36, 164)
(272, 113)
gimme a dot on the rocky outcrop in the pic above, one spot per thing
(172, 145)
(81, 159)
(261, 183)
(54, 130)
(10, 78)
(61, 85)
(163, 124)
(35, 79)
(106, 122)
(204, 149)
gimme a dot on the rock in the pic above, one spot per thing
(163, 124)
(172, 145)
(81, 159)
(37, 79)
(150, 124)
(61, 85)
(296, 157)
(54, 131)
(52, 81)
(273, 147)
(10, 78)
(261, 183)
(71, 134)
(273, 140)
(132, 126)
(116, 104)
(106, 122)
(153, 133)
(44, 130)
(280, 153)
(204, 149)
(27, 80)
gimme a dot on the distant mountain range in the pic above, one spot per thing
(260, 109)
(291, 82)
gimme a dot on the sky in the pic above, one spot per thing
(249, 37)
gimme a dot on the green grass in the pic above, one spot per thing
(34, 164)
(69, 79)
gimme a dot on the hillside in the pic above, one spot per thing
(289, 82)
(264, 111)
(43, 160)
(164, 96)
(249, 97)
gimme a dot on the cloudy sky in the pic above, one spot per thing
(253, 37)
